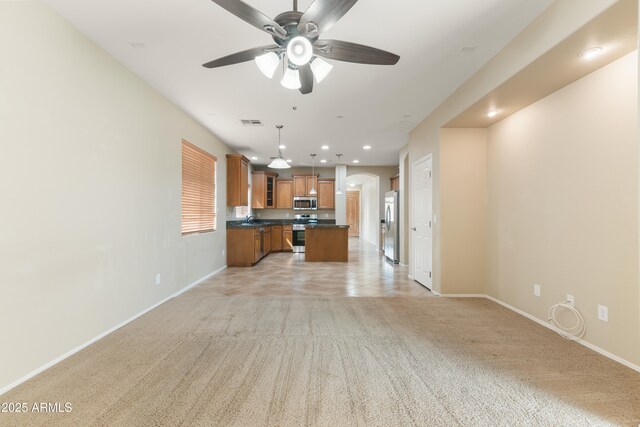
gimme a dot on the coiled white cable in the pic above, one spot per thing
(574, 332)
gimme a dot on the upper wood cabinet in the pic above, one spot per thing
(284, 193)
(263, 190)
(237, 180)
(326, 194)
(302, 184)
(395, 183)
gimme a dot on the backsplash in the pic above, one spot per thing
(282, 213)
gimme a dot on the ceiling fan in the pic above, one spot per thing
(296, 35)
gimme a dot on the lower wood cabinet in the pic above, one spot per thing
(287, 238)
(276, 238)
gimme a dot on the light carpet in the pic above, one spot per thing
(334, 362)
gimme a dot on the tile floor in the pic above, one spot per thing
(367, 274)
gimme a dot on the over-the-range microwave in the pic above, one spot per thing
(305, 203)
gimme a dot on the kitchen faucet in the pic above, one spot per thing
(248, 218)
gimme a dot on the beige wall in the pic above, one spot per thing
(90, 183)
(556, 23)
(463, 210)
(562, 205)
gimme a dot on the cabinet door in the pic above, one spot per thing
(395, 183)
(287, 238)
(311, 182)
(258, 191)
(326, 194)
(237, 180)
(267, 242)
(299, 186)
(276, 238)
(270, 192)
(284, 194)
(256, 248)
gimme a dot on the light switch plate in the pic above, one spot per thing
(603, 313)
(570, 300)
(158, 279)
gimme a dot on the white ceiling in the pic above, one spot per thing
(380, 104)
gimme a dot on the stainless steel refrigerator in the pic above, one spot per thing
(392, 226)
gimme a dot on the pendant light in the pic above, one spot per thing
(313, 191)
(339, 190)
(279, 162)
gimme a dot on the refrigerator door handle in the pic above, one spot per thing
(387, 217)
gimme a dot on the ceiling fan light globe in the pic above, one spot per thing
(279, 163)
(321, 69)
(299, 51)
(291, 79)
(268, 63)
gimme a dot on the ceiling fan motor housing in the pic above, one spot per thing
(289, 21)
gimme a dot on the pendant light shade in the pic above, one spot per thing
(313, 191)
(279, 162)
(291, 79)
(320, 68)
(268, 63)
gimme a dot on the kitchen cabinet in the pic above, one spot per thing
(245, 246)
(263, 190)
(302, 185)
(395, 183)
(237, 180)
(284, 194)
(267, 241)
(326, 194)
(287, 238)
(276, 238)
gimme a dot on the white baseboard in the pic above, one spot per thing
(463, 295)
(580, 341)
(104, 334)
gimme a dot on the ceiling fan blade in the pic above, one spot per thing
(352, 52)
(306, 79)
(252, 16)
(236, 58)
(324, 13)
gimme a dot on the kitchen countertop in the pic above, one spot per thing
(325, 226)
(271, 222)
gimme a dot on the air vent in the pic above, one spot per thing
(246, 122)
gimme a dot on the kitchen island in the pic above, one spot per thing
(326, 243)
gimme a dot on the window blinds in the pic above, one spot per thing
(198, 190)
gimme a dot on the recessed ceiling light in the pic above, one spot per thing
(340, 117)
(325, 147)
(323, 161)
(254, 158)
(289, 161)
(366, 147)
(590, 53)
(356, 161)
(351, 184)
(468, 49)
(492, 113)
(282, 146)
(407, 116)
(137, 45)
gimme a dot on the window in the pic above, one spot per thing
(198, 190)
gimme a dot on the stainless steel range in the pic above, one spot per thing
(299, 222)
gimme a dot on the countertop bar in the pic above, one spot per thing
(325, 226)
(268, 222)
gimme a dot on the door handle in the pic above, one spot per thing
(414, 229)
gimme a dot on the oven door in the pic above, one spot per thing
(298, 240)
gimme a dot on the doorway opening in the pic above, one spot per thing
(353, 212)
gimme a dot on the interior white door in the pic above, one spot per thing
(422, 229)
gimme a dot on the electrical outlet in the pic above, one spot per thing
(158, 279)
(570, 300)
(286, 215)
(603, 313)
(536, 290)
(258, 215)
(223, 252)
